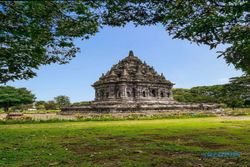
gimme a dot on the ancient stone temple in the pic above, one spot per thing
(132, 80)
(132, 86)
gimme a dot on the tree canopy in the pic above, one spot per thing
(11, 96)
(206, 22)
(50, 105)
(35, 33)
(62, 101)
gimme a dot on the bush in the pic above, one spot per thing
(50, 105)
(82, 103)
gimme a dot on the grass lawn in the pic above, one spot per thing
(165, 142)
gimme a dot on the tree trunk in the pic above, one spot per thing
(6, 109)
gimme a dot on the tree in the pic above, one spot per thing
(182, 95)
(35, 33)
(11, 96)
(234, 94)
(40, 105)
(50, 105)
(62, 101)
(200, 94)
(242, 83)
(239, 91)
(209, 22)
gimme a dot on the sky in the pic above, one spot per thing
(183, 63)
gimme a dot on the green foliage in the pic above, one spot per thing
(40, 111)
(81, 103)
(209, 94)
(238, 91)
(242, 83)
(62, 101)
(21, 107)
(35, 33)
(200, 94)
(182, 95)
(234, 94)
(206, 22)
(40, 105)
(11, 96)
(50, 105)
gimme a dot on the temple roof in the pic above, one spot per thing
(132, 69)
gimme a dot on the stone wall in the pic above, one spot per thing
(136, 107)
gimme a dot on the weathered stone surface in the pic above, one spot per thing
(137, 107)
(131, 80)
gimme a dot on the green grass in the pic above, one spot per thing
(165, 142)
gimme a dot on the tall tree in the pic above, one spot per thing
(239, 89)
(62, 101)
(11, 96)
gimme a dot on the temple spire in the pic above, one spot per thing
(131, 54)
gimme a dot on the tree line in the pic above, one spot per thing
(234, 94)
(18, 99)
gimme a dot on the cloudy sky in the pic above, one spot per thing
(184, 63)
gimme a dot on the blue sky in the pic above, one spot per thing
(182, 62)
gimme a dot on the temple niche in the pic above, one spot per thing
(132, 80)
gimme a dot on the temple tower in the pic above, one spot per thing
(131, 80)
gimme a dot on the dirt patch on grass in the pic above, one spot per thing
(111, 138)
(79, 148)
(170, 154)
(179, 138)
(208, 145)
(105, 144)
(122, 141)
(110, 160)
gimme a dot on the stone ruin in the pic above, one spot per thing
(133, 86)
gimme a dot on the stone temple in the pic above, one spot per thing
(130, 81)
(132, 86)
